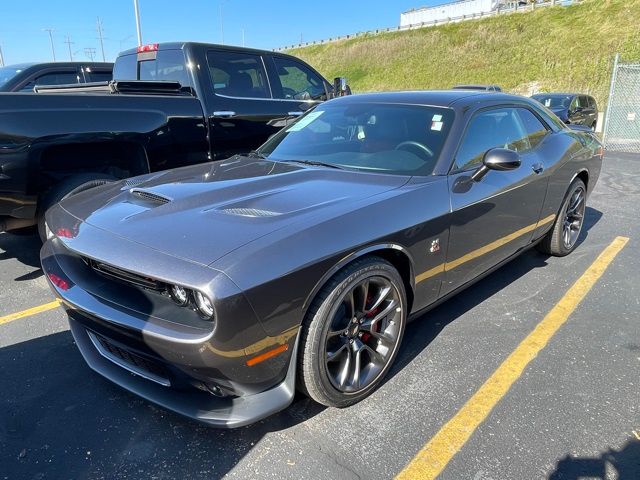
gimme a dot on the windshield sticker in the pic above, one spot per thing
(437, 126)
(306, 120)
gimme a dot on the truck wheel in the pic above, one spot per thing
(66, 188)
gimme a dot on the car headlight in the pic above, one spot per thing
(180, 295)
(205, 307)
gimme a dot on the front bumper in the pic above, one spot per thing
(129, 337)
(194, 404)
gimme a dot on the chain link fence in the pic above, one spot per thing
(622, 122)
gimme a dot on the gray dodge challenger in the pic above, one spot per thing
(217, 290)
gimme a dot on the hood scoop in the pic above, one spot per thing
(150, 196)
(250, 212)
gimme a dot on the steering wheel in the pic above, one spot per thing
(417, 145)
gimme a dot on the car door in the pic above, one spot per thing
(244, 111)
(493, 218)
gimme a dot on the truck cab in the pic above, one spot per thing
(247, 95)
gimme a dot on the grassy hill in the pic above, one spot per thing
(554, 48)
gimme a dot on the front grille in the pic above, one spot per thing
(131, 361)
(123, 276)
(150, 196)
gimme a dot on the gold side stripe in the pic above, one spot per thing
(482, 250)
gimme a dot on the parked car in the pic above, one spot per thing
(571, 108)
(483, 88)
(169, 105)
(24, 77)
(223, 287)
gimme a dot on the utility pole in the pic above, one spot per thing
(1, 57)
(69, 43)
(243, 37)
(221, 23)
(53, 50)
(137, 11)
(90, 52)
(99, 25)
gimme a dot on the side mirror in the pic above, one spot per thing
(340, 87)
(500, 159)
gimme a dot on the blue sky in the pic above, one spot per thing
(267, 23)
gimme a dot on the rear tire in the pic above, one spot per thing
(352, 333)
(562, 239)
(66, 188)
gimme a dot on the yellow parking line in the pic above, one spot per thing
(437, 453)
(29, 312)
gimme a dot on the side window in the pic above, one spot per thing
(497, 128)
(297, 81)
(584, 103)
(535, 129)
(98, 76)
(592, 103)
(52, 78)
(574, 104)
(238, 75)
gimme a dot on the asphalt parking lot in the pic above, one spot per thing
(574, 412)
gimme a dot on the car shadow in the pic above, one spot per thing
(623, 464)
(25, 248)
(59, 419)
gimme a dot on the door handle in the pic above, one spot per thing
(224, 114)
(294, 114)
(537, 168)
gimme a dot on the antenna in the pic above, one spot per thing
(1, 57)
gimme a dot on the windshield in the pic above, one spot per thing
(385, 138)
(7, 73)
(554, 101)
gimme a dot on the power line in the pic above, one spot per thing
(90, 52)
(69, 43)
(99, 25)
(53, 50)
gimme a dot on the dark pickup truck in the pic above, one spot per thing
(168, 105)
(24, 77)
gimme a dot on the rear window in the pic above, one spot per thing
(168, 65)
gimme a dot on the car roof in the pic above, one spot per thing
(560, 94)
(24, 66)
(181, 45)
(436, 98)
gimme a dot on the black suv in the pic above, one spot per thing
(571, 108)
(24, 77)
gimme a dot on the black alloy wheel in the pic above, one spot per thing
(353, 333)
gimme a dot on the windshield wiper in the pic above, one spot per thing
(315, 163)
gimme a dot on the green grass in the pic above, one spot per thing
(549, 49)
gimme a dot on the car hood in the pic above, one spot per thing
(204, 212)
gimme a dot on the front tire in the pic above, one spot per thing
(563, 236)
(352, 333)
